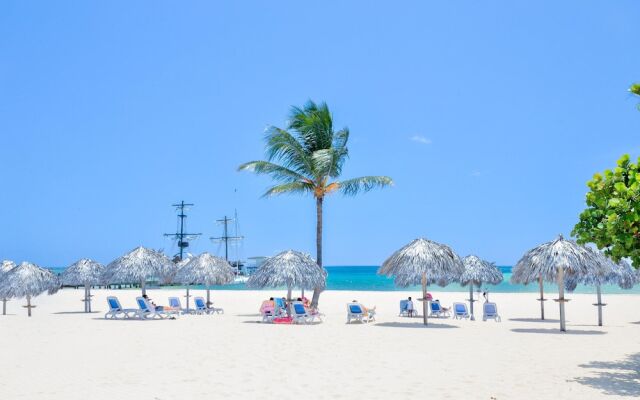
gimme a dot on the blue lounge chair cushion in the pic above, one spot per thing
(200, 303)
(435, 306)
(489, 309)
(299, 309)
(142, 304)
(174, 303)
(355, 309)
(403, 305)
(114, 304)
(460, 309)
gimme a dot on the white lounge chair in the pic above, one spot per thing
(490, 311)
(355, 312)
(115, 309)
(404, 309)
(460, 311)
(437, 310)
(299, 313)
(174, 303)
(202, 306)
(147, 310)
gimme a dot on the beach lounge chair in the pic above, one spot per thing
(147, 310)
(281, 307)
(404, 310)
(355, 312)
(201, 307)
(299, 313)
(460, 311)
(490, 311)
(175, 303)
(116, 311)
(437, 310)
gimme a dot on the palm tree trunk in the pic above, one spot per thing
(316, 291)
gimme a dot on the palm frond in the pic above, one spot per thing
(277, 172)
(289, 188)
(351, 187)
(284, 147)
(314, 125)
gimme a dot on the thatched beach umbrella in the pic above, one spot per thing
(621, 274)
(553, 260)
(476, 272)
(291, 269)
(84, 272)
(5, 267)
(28, 280)
(138, 265)
(423, 261)
(205, 269)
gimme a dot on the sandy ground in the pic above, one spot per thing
(61, 353)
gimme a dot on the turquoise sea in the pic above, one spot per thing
(364, 278)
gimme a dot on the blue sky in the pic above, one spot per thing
(490, 116)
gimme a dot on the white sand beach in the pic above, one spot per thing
(62, 353)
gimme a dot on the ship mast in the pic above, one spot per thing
(181, 236)
(226, 238)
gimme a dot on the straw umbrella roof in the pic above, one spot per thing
(28, 279)
(83, 272)
(621, 274)
(6, 266)
(440, 263)
(205, 269)
(544, 260)
(137, 265)
(292, 269)
(478, 271)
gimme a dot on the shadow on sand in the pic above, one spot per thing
(557, 331)
(415, 325)
(77, 312)
(248, 315)
(619, 378)
(132, 319)
(556, 321)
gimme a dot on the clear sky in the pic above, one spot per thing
(490, 116)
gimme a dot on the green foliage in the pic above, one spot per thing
(635, 89)
(305, 157)
(612, 217)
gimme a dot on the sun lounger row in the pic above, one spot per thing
(277, 311)
(146, 310)
(460, 311)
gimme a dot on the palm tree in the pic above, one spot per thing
(307, 157)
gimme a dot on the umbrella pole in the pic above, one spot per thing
(143, 287)
(289, 301)
(302, 294)
(473, 318)
(208, 296)
(187, 296)
(4, 306)
(29, 305)
(89, 296)
(541, 299)
(561, 300)
(599, 294)
(424, 298)
(86, 298)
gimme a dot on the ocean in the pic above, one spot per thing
(364, 278)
